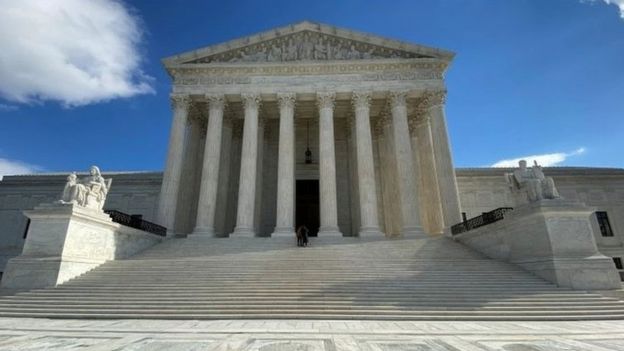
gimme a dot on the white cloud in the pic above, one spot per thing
(75, 52)
(12, 167)
(545, 160)
(618, 3)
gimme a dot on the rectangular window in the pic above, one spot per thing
(618, 262)
(603, 223)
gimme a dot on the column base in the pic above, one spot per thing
(243, 233)
(370, 232)
(283, 232)
(207, 231)
(411, 232)
(329, 231)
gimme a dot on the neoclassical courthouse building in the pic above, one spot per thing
(312, 125)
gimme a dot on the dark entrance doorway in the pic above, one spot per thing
(307, 205)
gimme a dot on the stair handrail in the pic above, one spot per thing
(479, 221)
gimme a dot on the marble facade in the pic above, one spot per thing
(357, 100)
(370, 110)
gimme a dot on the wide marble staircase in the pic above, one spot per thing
(334, 278)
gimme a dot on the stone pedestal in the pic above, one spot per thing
(552, 239)
(65, 241)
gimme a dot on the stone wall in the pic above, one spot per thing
(485, 189)
(481, 190)
(132, 193)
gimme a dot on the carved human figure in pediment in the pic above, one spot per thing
(275, 54)
(353, 53)
(291, 50)
(320, 50)
(532, 182)
(307, 48)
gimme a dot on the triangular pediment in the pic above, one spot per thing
(306, 41)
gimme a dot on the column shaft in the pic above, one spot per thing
(430, 188)
(410, 217)
(369, 222)
(285, 221)
(223, 193)
(417, 173)
(327, 166)
(449, 195)
(206, 208)
(173, 170)
(249, 158)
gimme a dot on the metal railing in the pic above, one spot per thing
(136, 221)
(479, 221)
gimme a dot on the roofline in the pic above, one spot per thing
(300, 26)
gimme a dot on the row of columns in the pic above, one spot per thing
(405, 145)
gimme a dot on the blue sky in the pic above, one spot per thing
(81, 81)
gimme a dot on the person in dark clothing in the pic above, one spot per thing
(299, 234)
(305, 232)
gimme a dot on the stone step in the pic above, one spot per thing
(298, 299)
(297, 293)
(279, 310)
(336, 278)
(305, 303)
(315, 316)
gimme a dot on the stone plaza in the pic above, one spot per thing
(344, 133)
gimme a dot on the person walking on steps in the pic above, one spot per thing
(299, 234)
(305, 232)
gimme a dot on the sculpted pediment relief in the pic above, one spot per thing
(306, 46)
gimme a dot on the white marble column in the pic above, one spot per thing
(206, 208)
(285, 221)
(223, 193)
(420, 204)
(391, 186)
(410, 217)
(245, 214)
(327, 166)
(354, 196)
(449, 195)
(173, 170)
(369, 219)
(429, 178)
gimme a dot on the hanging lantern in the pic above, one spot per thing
(308, 152)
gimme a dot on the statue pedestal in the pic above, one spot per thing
(552, 239)
(65, 241)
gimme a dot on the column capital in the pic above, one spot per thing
(361, 99)
(287, 100)
(398, 98)
(216, 101)
(433, 98)
(325, 99)
(180, 101)
(251, 100)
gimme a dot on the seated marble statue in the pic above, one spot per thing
(89, 192)
(533, 182)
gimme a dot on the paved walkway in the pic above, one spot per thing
(275, 335)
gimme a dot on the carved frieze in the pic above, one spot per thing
(307, 46)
